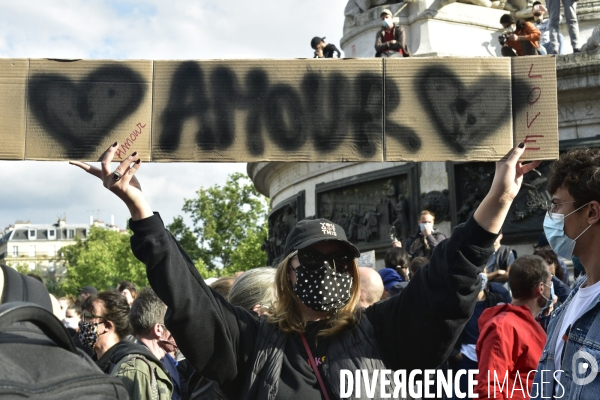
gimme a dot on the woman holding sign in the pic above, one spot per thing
(316, 342)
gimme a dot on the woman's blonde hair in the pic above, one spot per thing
(286, 313)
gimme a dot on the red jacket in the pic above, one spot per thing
(510, 343)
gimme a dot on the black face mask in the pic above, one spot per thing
(322, 288)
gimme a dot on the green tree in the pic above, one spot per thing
(229, 226)
(102, 260)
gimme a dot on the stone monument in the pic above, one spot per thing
(376, 202)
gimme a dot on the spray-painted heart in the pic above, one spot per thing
(80, 115)
(464, 115)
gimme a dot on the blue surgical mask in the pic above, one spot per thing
(387, 23)
(548, 301)
(426, 225)
(554, 228)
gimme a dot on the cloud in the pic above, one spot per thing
(153, 29)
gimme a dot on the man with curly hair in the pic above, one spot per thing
(572, 227)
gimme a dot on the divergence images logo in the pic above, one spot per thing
(584, 363)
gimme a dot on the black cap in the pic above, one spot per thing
(88, 290)
(315, 41)
(535, 3)
(311, 231)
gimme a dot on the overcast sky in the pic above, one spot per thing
(153, 29)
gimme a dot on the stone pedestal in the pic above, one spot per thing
(457, 29)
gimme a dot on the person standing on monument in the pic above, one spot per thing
(391, 39)
(570, 8)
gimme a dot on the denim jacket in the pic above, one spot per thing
(581, 349)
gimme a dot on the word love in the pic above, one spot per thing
(127, 143)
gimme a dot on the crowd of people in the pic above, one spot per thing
(539, 36)
(463, 302)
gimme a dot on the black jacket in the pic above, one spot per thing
(222, 341)
(422, 246)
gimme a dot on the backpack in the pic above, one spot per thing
(39, 360)
(19, 287)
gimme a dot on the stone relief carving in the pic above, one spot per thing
(438, 203)
(472, 181)
(369, 212)
(280, 223)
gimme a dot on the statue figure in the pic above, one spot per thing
(400, 224)
(593, 44)
(358, 6)
(371, 224)
(353, 229)
(521, 8)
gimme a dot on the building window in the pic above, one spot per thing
(31, 251)
(15, 252)
(52, 234)
(51, 251)
(71, 233)
(32, 234)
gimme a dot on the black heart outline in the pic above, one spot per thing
(456, 132)
(80, 115)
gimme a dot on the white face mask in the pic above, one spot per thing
(554, 228)
(72, 323)
(387, 23)
(428, 225)
(511, 29)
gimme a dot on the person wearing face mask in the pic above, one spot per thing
(147, 318)
(572, 228)
(103, 327)
(522, 37)
(426, 239)
(511, 341)
(391, 39)
(316, 327)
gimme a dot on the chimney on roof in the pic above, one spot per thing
(91, 220)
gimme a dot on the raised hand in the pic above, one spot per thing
(492, 211)
(121, 181)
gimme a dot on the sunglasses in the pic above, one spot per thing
(87, 317)
(313, 260)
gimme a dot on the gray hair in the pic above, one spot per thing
(255, 286)
(147, 310)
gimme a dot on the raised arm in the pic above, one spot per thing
(215, 337)
(432, 310)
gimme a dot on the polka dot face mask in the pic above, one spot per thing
(318, 285)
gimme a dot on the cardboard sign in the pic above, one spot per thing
(412, 109)
(77, 109)
(534, 106)
(13, 90)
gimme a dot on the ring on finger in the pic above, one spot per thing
(117, 176)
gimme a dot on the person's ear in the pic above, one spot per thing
(108, 325)
(593, 214)
(157, 330)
